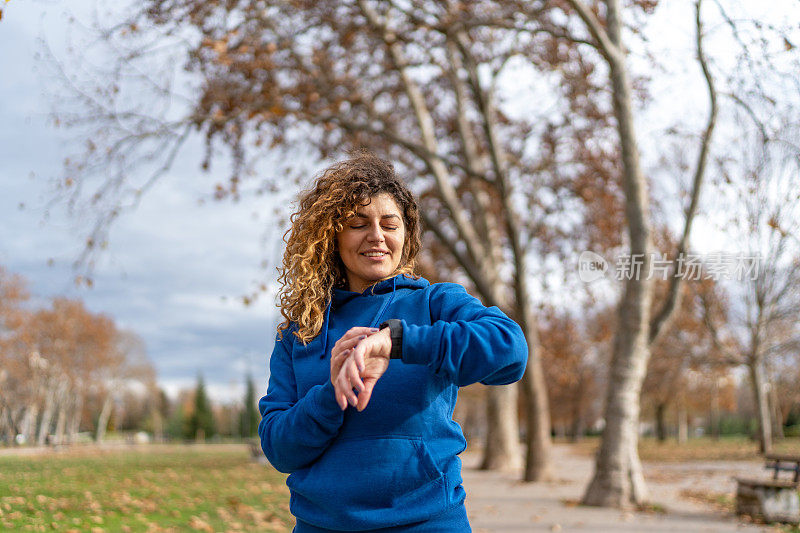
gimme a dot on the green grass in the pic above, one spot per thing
(696, 449)
(150, 488)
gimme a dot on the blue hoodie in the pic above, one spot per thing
(395, 463)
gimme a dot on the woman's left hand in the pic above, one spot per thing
(362, 369)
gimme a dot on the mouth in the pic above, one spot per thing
(375, 255)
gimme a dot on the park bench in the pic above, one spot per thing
(775, 499)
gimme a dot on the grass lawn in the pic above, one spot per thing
(697, 449)
(147, 488)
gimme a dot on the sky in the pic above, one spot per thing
(176, 268)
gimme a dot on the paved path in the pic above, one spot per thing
(499, 502)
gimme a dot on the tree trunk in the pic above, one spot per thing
(683, 424)
(28, 426)
(502, 449)
(758, 384)
(7, 424)
(102, 420)
(618, 480)
(29, 423)
(75, 420)
(158, 425)
(61, 423)
(714, 417)
(776, 415)
(661, 422)
(578, 424)
(47, 418)
(538, 463)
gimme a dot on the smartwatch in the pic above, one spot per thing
(396, 333)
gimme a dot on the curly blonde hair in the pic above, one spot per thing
(311, 265)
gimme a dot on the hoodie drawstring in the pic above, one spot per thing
(386, 304)
(377, 320)
(325, 328)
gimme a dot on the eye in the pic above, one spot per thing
(390, 228)
(358, 226)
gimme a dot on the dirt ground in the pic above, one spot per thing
(679, 494)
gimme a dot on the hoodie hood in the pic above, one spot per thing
(342, 296)
(384, 287)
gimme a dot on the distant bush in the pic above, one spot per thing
(793, 418)
(737, 425)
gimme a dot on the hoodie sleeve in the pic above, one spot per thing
(466, 342)
(295, 431)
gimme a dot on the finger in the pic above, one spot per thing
(342, 401)
(336, 364)
(340, 398)
(346, 386)
(352, 343)
(353, 376)
(342, 385)
(352, 372)
(358, 331)
(339, 394)
(339, 359)
(351, 339)
(358, 356)
(365, 395)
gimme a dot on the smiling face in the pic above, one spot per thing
(371, 243)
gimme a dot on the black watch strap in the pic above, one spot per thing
(396, 333)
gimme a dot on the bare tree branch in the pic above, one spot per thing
(425, 123)
(604, 43)
(663, 318)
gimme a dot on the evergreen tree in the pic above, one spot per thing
(177, 425)
(201, 423)
(249, 419)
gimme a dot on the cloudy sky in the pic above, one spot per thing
(175, 270)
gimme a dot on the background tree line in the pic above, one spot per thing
(68, 375)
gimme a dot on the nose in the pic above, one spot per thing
(375, 233)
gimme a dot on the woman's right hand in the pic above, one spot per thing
(342, 348)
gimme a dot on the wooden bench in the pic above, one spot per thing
(783, 463)
(771, 500)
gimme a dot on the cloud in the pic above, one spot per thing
(174, 269)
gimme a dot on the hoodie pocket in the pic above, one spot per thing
(369, 483)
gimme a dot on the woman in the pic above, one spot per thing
(367, 364)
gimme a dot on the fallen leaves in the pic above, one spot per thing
(170, 490)
(199, 524)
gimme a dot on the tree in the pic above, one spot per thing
(15, 393)
(419, 84)
(428, 85)
(574, 353)
(686, 367)
(642, 320)
(618, 480)
(54, 360)
(126, 361)
(201, 422)
(761, 331)
(177, 424)
(248, 426)
(73, 348)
